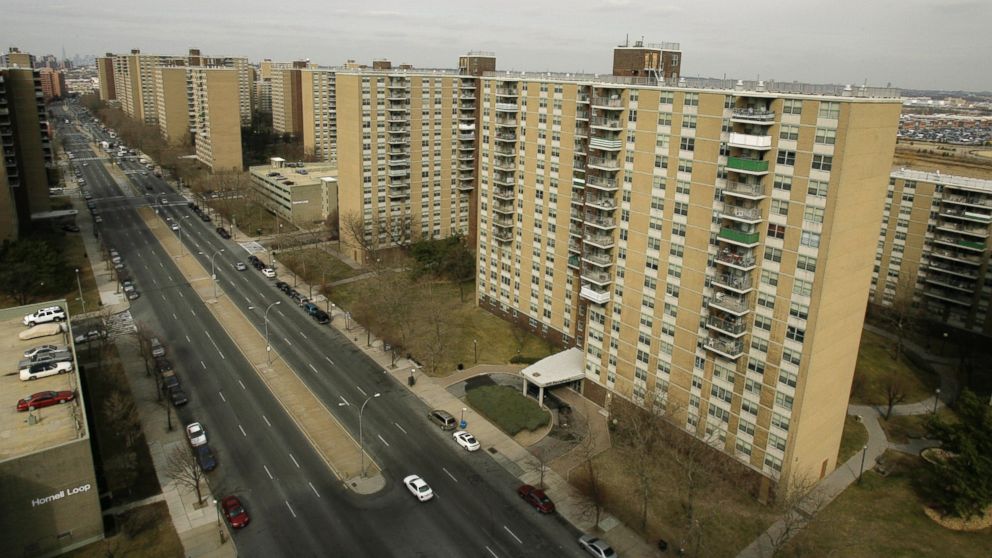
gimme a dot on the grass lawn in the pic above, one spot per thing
(75, 257)
(508, 408)
(252, 218)
(901, 430)
(853, 439)
(874, 364)
(729, 518)
(316, 266)
(497, 340)
(884, 517)
(146, 531)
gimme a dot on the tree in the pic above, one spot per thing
(895, 387)
(31, 267)
(435, 326)
(184, 470)
(589, 484)
(960, 484)
(795, 504)
(144, 336)
(123, 417)
(359, 235)
(640, 433)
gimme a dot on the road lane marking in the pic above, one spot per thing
(155, 281)
(188, 340)
(513, 535)
(175, 317)
(359, 388)
(267, 472)
(303, 335)
(280, 313)
(294, 461)
(329, 360)
(243, 433)
(449, 474)
(221, 393)
(192, 312)
(385, 442)
(203, 365)
(400, 427)
(287, 341)
(163, 297)
(345, 400)
(314, 489)
(248, 300)
(312, 368)
(266, 419)
(290, 509)
(491, 552)
(242, 385)
(261, 295)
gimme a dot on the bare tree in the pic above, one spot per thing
(123, 417)
(435, 326)
(795, 504)
(640, 433)
(361, 236)
(184, 470)
(589, 483)
(895, 387)
(144, 335)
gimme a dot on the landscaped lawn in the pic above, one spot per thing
(853, 439)
(252, 219)
(75, 257)
(883, 517)
(468, 327)
(316, 266)
(875, 363)
(511, 410)
(147, 531)
(901, 429)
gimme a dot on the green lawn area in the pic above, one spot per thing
(316, 266)
(884, 517)
(252, 219)
(875, 363)
(853, 439)
(508, 408)
(146, 531)
(901, 430)
(75, 257)
(498, 340)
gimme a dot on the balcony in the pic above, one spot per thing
(750, 215)
(464, 96)
(397, 96)
(398, 172)
(504, 180)
(599, 259)
(949, 297)
(466, 127)
(505, 137)
(956, 256)
(740, 238)
(745, 190)
(977, 201)
(738, 283)
(399, 160)
(574, 246)
(975, 217)
(396, 194)
(398, 108)
(503, 236)
(603, 203)
(604, 163)
(399, 129)
(398, 84)
(582, 115)
(466, 185)
(578, 165)
(506, 107)
(503, 222)
(466, 137)
(573, 261)
(981, 232)
(609, 103)
(506, 91)
(753, 116)
(749, 141)
(596, 276)
(744, 261)
(960, 271)
(602, 183)
(605, 223)
(606, 144)
(466, 106)
(959, 243)
(747, 166)
(581, 131)
(736, 305)
(503, 193)
(582, 98)
(504, 208)
(505, 166)
(733, 328)
(606, 123)
(506, 122)
(594, 294)
(726, 348)
(604, 241)
(958, 284)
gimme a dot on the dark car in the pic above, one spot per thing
(282, 285)
(69, 227)
(295, 295)
(205, 458)
(537, 498)
(234, 512)
(45, 399)
(223, 232)
(206, 218)
(322, 317)
(162, 364)
(310, 308)
(178, 396)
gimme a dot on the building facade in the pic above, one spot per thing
(408, 166)
(649, 60)
(105, 75)
(319, 112)
(933, 248)
(14, 58)
(27, 150)
(174, 101)
(52, 83)
(287, 107)
(216, 117)
(302, 193)
(134, 79)
(703, 244)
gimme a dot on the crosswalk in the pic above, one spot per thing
(121, 323)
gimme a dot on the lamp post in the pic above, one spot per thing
(265, 318)
(219, 528)
(936, 399)
(864, 452)
(462, 422)
(475, 346)
(213, 269)
(80, 285)
(943, 345)
(361, 433)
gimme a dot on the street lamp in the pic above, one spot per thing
(213, 270)
(475, 345)
(864, 451)
(943, 345)
(80, 285)
(462, 422)
(361, 433)
(265, 318)
(219, 528)
(936, 399)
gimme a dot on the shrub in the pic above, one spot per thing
(521, 359)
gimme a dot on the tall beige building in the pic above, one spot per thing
(413, 172)
(244, 71)
(174, 100)
(216, 117)
(287, 101)
(134, 80)
(933, 249)
(703, 244)
(319, 112)
(105, 75)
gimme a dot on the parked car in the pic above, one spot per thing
(69, 227)
(596, 547)
(295, 295)
(418, 488)
(174, 226)
(44, 369)
(178, 396)
(240, 266)
(45, 399)
(44, 316)
(536, 498)
(223, 232)
(310, 308)
(41, 349)
(466, 440)
(196, 434)
(91, 335)
(48, 356)
(158, 349)
(282, 286)
(205, 217)
(268, 272)
(162, 364)
(234, 512)
(205, 458)
(442, 419)
(322, 317)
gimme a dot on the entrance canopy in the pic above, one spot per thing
(562, 368)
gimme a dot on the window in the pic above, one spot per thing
(769, 277)
(789, 132)
(807, 263)
(826, 136)
(689, 121)
(776, 231)
(798, 310)
(766, 300)
(773, 254)
(810, 239)
(784, 400)
(817, 188)
(688, 144)
(801, 287)
(763, 322)
(813, 214)
(823, 162)
(829, 110)
(691, 100)
(783, 182)
(786, 157)
(792, 106)
(795, 334)
(780, 207)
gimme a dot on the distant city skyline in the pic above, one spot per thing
(925, 44)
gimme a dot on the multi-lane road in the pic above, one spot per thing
(298, 507)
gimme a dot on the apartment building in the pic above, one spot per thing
(302, 193)
(319, 113)
(216, 117)
(263, 95)
(702, 241)
(413, 172)
(244, 71)
(651, 60)
(933, 248)
(14, 58)
(134, 80)
(52, 83)
(27, 150)
(174, 103)
(287, 109)
(105, 75)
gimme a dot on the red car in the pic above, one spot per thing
(234, 512)
(537, 498)
(45, 399)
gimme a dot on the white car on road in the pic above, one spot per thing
(466, 440)
(196, 434)
(268, 272)
(418, 488)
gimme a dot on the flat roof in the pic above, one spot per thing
(315, 173)
(55, 425)
(937, 177)
(566, 366)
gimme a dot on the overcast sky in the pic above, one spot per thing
(927, 44)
